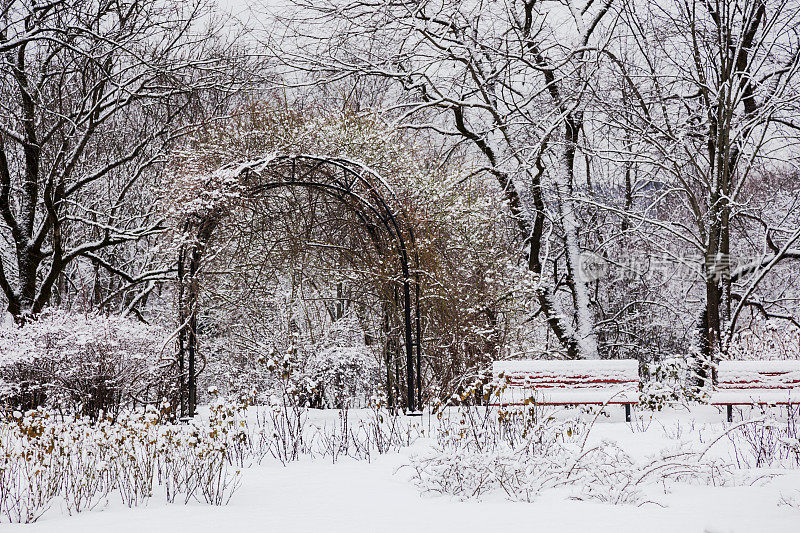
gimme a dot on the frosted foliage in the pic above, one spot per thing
(78, 465)
(83, 362)
(343, 372)
(522, 453)
(342, 368)
(345, 332)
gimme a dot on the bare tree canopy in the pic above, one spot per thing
(93, 94)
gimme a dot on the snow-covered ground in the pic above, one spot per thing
(316, 495)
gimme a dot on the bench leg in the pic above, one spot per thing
(730, 413)
(627, 412)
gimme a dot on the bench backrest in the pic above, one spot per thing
(758, 375)
(559, 382)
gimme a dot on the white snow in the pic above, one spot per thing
(621, 367)
(357, 496)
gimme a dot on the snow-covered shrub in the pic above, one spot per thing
(282, 421)
(46, 460)
(791, 440)
(30, 474)
(87, 364)
(326, 363)
(343, 373)
(283, 430)
(337, 371)
(608, 474)
(479, 450)
(668, 380)
(252, 431)
(522, 452)
(202, 461)
(767, 442)
(359, 437)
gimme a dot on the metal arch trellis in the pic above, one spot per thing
(367, 194)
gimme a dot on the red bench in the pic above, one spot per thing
(582, 382)
(757, 383)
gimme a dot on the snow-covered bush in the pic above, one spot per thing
(86, 364)
(671, 379)
(333, 370)
(480, 450)
(46, 461)
(282, 427)
(768, 442)
(522, 452)
(343, 368)
(343, 373)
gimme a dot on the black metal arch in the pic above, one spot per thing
(370, 197)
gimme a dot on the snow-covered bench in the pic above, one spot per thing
(584, 382)
(756, 383)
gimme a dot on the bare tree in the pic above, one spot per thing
(714, 88)
(93, 93)
(701, 100)
(507, 78)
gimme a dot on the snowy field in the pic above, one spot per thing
(317, 494)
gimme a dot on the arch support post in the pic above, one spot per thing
(188, 300)
(197, 230)
(409, 341)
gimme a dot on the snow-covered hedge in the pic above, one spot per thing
(83, 363)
